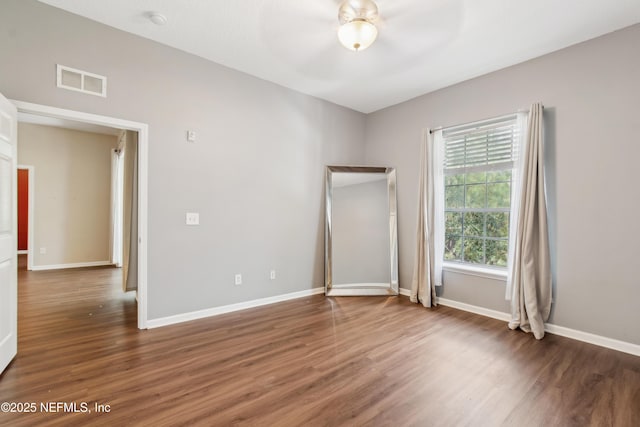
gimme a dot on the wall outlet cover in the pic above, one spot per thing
(193, 218)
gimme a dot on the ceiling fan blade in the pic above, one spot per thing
(411, 9)
(419, 31)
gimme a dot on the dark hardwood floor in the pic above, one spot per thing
(314, 361)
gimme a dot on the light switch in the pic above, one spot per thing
(191, 136)
(193, 218)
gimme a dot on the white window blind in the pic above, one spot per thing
(478, 166)
(488, 145)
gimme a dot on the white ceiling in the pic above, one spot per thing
(423, 45)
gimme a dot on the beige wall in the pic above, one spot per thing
(72, 184)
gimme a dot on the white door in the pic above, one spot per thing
(8, 233)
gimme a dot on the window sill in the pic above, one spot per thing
(472, 270)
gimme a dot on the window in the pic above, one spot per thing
(478, 176)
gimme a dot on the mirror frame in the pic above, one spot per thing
(393, 287)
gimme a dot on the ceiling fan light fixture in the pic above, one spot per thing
(357, 29)
(357, 35)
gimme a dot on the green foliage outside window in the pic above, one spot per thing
(477, 217)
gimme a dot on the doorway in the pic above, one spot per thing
(25, 182)
(141, 174)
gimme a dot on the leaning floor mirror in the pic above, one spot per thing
(361, 244)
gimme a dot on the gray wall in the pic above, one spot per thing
(360, 233)
(590, 92)
(255, 174)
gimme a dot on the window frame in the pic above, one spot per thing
(465, 267)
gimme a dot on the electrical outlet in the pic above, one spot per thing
(272, 275)
(193, 218)
(191, 136)
(238, 279)
(43, 251)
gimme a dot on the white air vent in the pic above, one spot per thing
(81, 81)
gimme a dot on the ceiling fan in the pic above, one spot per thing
(357, 24)
(315, 32)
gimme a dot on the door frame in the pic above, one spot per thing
(143, 168)
(30, 231)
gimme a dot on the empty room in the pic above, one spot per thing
(319, 213)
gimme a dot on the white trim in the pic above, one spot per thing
(215, 311)
(487, 312)
(361, 285)
(31, 220)
(623, 346)
(71, 265)
(359, 292)
(111, 206)
(30, 214)
(143, 160)
(61, 113)
(472, 270)
(22, 252)
(143, 176)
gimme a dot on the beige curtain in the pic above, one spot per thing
(130, 214)
(529, 278)
(116, 204)
(427, 270)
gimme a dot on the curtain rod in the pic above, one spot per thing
(477, 121)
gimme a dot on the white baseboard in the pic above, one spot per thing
(23, 252)
(494, 314)
(361, 285)
(466, 307)
(215, 311)
(623, 346)
(72, 265)
(598, 340)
